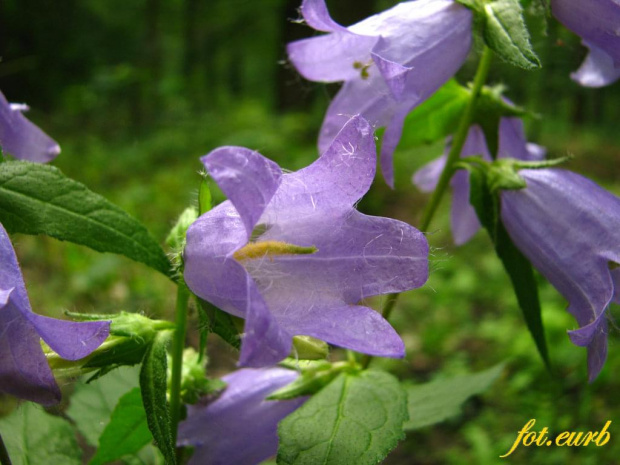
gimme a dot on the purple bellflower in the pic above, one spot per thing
(291, 255)
(24, 371)
(569, 228)
(390, 63)
(512, 144)
(597, 22)
(21, 138)
(240, 426)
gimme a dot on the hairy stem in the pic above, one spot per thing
(178, 345)
(458, 140)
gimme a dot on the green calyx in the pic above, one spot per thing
(503, 174)
(315, 375)
(130, 336)
(309, 348)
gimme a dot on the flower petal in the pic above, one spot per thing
(339, 56)
(213, 274)
(512, 142)
(240, 426)
(21, 138)
(596, 21)
(427, 177)
(248, 179)
(333, 183)
(317, 16)
(597, 70)
(350, 326)
(69, 339)
(573, 250)
(358, 256)
(463, 218)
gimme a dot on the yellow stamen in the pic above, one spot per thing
(270, 248)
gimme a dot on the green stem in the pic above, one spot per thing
(178, 345)
(453, 156)
(458, 140)
(4, 454)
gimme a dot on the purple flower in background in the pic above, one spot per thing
(569, 228)
(21, 138)
(512, 144)
(24, 371)
(291, 255)
(240, 426)
(597, 22)
(390, 63)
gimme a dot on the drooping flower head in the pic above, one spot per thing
(569, 228)
(240, 426)
(291, 255)
(597, 22)
(390, 63)
(24, 371)
(511, 144)
(21, 138)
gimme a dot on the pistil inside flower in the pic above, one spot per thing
(271, 248)
(363, 67)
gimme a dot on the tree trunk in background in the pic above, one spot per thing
(152, 61)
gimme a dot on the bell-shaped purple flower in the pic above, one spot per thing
(511, 144)
(291, 255)
(24, 371)
(390, 63)
(569, 228)
(21, 138)
(597, 22)
(240, 426)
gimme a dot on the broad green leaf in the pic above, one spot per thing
(92, 404)
(357, 419)
(437, 117)
(126, 433)
(221, 323)
(518, 267)
(153, 383)
(34, 437)
(439, 400)
(39, 199)
(506, 34)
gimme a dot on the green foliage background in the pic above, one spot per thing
(135, 92)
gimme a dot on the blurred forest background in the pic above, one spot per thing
(135, 91)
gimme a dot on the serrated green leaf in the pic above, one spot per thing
(357, 419)
(34, 437)
(39, 199)
(153, 385)
(437, 117)
(439, 400)
(506, 34)
(517, 266)
(126, 433)
(92, 404)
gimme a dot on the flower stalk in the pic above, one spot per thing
(178, 345)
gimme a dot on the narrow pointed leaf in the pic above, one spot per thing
(39, 199)
(358, 418)
(518, 267)
(153, 385)
(439, 400)
(221, 323)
